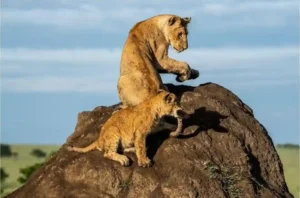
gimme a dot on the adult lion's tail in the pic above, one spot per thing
(92, 146)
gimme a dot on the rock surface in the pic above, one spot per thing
(223, 152)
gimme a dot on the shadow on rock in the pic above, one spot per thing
(179, 90)
(205, 120)
(201, 118)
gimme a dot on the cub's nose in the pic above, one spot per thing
(181, 114)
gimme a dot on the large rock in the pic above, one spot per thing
(224, 152)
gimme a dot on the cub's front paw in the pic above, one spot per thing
(124, 161)
(145, 162)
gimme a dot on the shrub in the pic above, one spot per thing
(38, 153)
(5, 150)
(29, 170)
(4, 175)
(288, 146)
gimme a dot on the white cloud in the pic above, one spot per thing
(11, 68)
(205, 58)
(248, 6)
(115, 15)
(236, 57)
(61, 55)
(97, 70)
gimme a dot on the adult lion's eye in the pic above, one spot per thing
(180, 35)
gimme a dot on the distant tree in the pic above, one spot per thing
(38, 153)
(4, 175)
(288, 145)
(51, 154)
(5, 150)
(29, 170)
(15, 155)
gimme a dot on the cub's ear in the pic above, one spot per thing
(186, 20)
(170, 98)
(172, 20)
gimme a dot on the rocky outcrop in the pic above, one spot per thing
(223, 152)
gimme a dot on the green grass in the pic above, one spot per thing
(289, 158)
(227, 176)
(12, 165)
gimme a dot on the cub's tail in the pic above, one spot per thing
(92, 146)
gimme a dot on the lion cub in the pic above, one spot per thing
(128, 128)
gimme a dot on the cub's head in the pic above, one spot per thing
(176, 32)
(168, 105)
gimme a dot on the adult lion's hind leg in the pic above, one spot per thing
(131, 90)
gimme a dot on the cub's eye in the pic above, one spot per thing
(180, 35)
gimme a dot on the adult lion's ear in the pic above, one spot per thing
(172, 20)
(186, 20)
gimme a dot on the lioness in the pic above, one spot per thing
(145, 55)
(128, 128)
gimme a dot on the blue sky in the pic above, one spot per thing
(61, 57)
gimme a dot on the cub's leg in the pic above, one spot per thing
(140, 146)
(129, 150)
(111, 151)
(179, 129)
(164, 125)
(124, 161)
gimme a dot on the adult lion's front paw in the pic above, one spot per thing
(194, 74)
(190, 74)
(183, 77)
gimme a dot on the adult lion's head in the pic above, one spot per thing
(176, 32)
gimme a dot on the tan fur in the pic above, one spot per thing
(128, 128)
(145, 55)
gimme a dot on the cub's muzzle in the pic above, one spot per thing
(180, 113)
